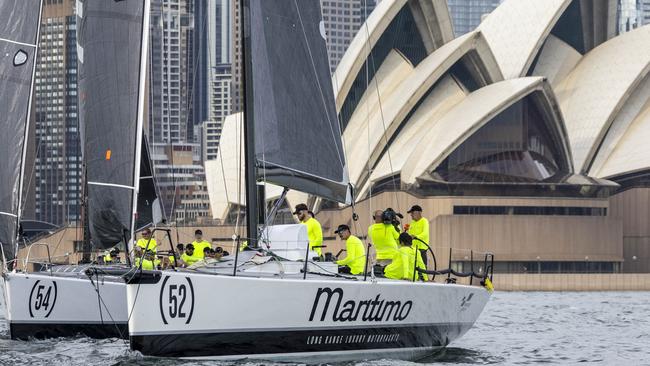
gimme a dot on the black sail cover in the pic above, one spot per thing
(19, 23)
(298, 141)
(109, 42)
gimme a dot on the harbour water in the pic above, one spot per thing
(520, 328)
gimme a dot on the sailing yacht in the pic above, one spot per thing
(112, 49)
(260, 304)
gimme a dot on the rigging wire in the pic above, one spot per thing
(383, 122)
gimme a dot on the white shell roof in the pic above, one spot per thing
(593, 94)
(466, 117)
(632, 153)
(516, 30)
(556, 60)
(374, 122)
(405, 146)
(435, 13)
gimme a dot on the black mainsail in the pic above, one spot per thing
(112, 48)
(149, 207)
(298, 141)
(19, 28)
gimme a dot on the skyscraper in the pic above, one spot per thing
(212, 88)
(171, 67)
(57, 166)
(629, 15)
(466, 14)
(342, 19)
(220, 104)
(644, 12)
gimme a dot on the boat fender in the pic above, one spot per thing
(488, 285)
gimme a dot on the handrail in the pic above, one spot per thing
(365, 266)
(234, 270)
(487, 272)
(49, 257)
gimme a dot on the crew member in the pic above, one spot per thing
(384, 237)
(149, 260)
(355, 260)
(188, 257)
(112, 256)
(176, 255)
(146, 242)
(200, 244)
(419, 230)
(314, 231)
(403, 264)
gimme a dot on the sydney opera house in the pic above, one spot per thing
(528, 137)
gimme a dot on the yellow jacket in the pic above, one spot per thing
(356, 255)
(398, 268)
(147, 264)
(199, 246)
(146, 244)
(190, 259)
(384, 237)
(420, 230)
(402, 266)
(315, 234)
(418, 255)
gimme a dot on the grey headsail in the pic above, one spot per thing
(298, 141)
(19, 25)
(111, 42)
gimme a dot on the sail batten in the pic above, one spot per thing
(111, 38)
(298, 141)
(19, 27)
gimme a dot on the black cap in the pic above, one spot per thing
(415, 208)
(189, 246)
(342, 228)
(300, 207)
(405, 238)
(198, 232)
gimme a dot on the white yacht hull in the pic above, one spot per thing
(40, 305)
(192, 315)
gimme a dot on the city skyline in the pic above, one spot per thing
(194, 83)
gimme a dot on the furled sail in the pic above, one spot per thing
(19, 24)
(111, 41)
(297, 134)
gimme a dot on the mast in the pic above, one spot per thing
(19, 211)
(252, 220)
(144, 52)
(86, 247)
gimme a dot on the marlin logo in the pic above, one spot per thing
(370, 310)
(465, 303)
